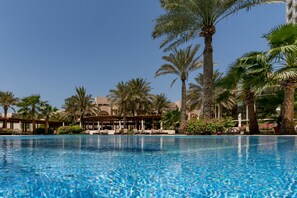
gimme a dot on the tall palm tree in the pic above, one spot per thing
(140, 96)
(81, 104)
(161, 103)
(222, 97)
(282, 41)
(7, 100)
(186, 19)
(30, 108)
(47, 111)
(181, 63)
(70, 112)
(250, 73)
(121, 98)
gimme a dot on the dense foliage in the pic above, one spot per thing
(208, 127)
(7, 131)
(223, 98)
(42, 131)
(171, 120)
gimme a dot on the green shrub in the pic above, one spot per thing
(41, 131)
(6, 131)
(76, 129)
(228, 122)
(70, 129)
(207, 127)
(64, 130)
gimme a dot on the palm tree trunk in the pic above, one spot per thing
(124, 118)
(287, 126)
(46, 125)
(183, 103)
(81, 120)
(33, 118)
(125, 121)
(34, 125)
(5, 117)
(219, 111)
(253, 122)
(207, 33)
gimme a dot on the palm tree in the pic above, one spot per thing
(30, 108)
(171, 119)
(47, 111)
(70, 110)
(282, 41)
(7, 100)
(140, 96)
(187, 19)
(121, 98)
(81, 104)
(181, 63)
(62, 116)
(161, 103)
(222, 97)
(250, 73)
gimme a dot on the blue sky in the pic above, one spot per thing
(49, 47)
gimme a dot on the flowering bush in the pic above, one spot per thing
(266, 126)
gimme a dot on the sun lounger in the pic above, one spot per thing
(111, 132)
(169, 132)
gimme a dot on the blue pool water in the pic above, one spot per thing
(148, 166)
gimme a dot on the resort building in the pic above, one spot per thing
(110, 120)
(108, 109)
(105, 106)
(291, 11)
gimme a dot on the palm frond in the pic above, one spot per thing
(172, 83)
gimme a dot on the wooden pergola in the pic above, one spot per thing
(113, 121)
(91, 122)
(19, 123)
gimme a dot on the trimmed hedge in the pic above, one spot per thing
(70, 129)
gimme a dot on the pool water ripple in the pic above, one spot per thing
(148, 166)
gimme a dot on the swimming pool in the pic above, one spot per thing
(148, 166)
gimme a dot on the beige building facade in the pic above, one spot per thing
(105, 106)
(190, 114)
